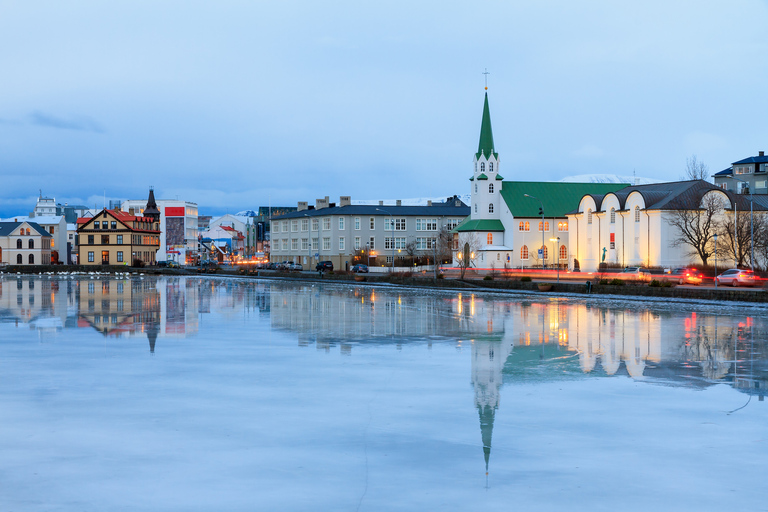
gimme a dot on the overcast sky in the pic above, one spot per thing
(234, 105)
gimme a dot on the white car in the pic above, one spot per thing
(737, 277)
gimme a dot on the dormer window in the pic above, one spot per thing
(482, 166)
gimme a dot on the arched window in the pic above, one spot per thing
(18, 243)
(490, 188)
(27, 231)
(543, 226)
(31, 259)
(563, 252)
(613, 215)
(524, 252)
(475, 207)
(637, 214)
(490, 166)
(482, 166)
(527, 226)
(18, 259)
(31, 244)
(475, 188)
(524, 226)
(544, 251)
(475, 166)
(589, 216)
(490, 208)
(489, 239)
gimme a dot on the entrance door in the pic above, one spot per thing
(105, 257)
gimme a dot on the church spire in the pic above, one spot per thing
(151, 210)
(486, 147)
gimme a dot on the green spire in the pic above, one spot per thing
(486, 134)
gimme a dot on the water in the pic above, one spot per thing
(223, 394)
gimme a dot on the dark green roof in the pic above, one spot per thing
(498, 177)
(480, 225)
(472, 178)
(482, 177)
(486, 134)
(557, 197)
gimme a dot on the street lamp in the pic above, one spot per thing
(557, 248)
(392, 217)
(541, 212)
(751, 227)
(309, 241)
(715, 237)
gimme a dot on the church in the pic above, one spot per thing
(517, 224)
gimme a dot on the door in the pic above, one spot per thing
(105, 257)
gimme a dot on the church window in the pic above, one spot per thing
(490, 188)
(544, 226)
(637, 214)
(544, 252)
(562, 226)
(524, 226)
(475, 188)
(31, 244)
(563, 252)
(489, 238)
(18, 260)
(524, 252)
(475, 166)
(490, 166)
(589, 216)
(482, 166)
(613, 215)
(31, 259)
(490, 208)
(18, 243)
(475, 207)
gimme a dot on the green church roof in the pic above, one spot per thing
(480, 225)
(482, 177)
(486, 134)
(557, 197)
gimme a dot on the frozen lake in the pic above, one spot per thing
(134, 394)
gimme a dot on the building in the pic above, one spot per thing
(24, 243)
(56, 226)
(516, 224)
(375, 233)
(178, 227)
(115, 237)
(635, 226)
(744, 176)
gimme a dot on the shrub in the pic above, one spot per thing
(605, 281)
(441, 276)
(488, 278)
(654, 283)
(525, 279)
(617, 282)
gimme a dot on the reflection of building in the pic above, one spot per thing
(44, 304)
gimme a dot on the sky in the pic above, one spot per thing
(235, 105)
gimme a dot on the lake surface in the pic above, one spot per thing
(137, 393)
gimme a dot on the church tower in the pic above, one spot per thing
(151, 210)
(486, 180)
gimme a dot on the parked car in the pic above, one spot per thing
(636, 273)
(684, 275)
(173, 264)
(296, 266)
(324, 265)
(360, 268)
(162, 264)
(736, 277)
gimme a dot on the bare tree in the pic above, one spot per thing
(469, 244)
(441, 248)
(410, 250)
(695, 169)
(697, 226)
(735, 243)
(761, 241)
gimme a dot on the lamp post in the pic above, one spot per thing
(309, 241)
(392, 220)
(715, 237)
(751, 227)
(557, 248)
(541, 212)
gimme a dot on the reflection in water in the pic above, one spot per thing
(513, 339)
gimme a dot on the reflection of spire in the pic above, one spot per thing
(152, 331)
(487, 414)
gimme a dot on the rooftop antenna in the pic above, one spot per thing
(486, 73)
(634, 177)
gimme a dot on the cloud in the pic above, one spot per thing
(83, 124)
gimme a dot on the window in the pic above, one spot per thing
(388, 241)
(482, 166)
(50, 230)
(475, 188)
(589, 216)
(357, 243)
(743, 169)
(119, 260)
(563, 252)
(105, 225)
(760, 184)
(613, 215)
(562, 226)
(90, 256)
(18, 260)
(327, 243)
(524, 226)
(524, 252)
(315, 244)
(490, 188)
(342, 244)
(18, 243)
(304, 244)
(105, 260)
(372, 244)
(294, 244)
(544, 226)
(96, 225)
(489, 238)
(475, 207)
(315, 225)
(357, 223)
(544, 252)
(114, 224)
(399, 224)
(490, 208)
(637, 214)
(104, 239)
(294, 226)
(426, 224)
(490, 169)
(452, 223)
(285, 226)
(424, 243)
(304, 224)
(327, 224)
(373, 223)
(284, 244)
(119, 239)
(90, 239)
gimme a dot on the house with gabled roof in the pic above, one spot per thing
(24, 243)
(512, 223)
(746, 175)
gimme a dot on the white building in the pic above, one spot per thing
(178, 227)
(24, 243)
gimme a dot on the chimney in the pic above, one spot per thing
(131, 211)
(399, 202)
(381, 203)
(762, 153)
(429, 202)
(302, 206)
(345, 200)
(321, 203)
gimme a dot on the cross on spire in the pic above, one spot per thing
(486, 73)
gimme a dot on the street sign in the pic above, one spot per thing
(317, 255)
(541, 253)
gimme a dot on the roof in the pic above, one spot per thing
(480, 225)
(753, 160)
(557, 198)
(122, 216)
(446, 209)
(485, 146)
(6, 228)
(725, 172)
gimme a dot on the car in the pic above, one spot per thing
(324, 265)
(684, 275)
(360, 268)
(173, 264)
(162, 264)
(736, 277)
(295, 266)
(636, 273)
